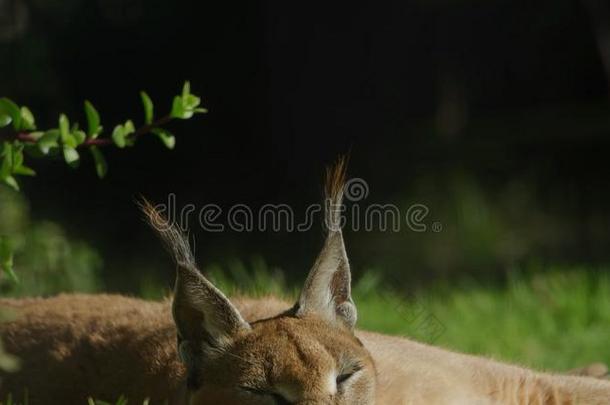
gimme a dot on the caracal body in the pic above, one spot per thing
(103, 346)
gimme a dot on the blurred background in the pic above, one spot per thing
(494, 114)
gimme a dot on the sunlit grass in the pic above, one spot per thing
(555, 320)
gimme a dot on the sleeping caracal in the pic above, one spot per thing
(256, 352)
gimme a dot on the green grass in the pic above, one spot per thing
(556, 320)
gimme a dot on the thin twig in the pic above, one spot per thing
(26, 136)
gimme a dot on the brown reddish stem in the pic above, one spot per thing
(26, 137)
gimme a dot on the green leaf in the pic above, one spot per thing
(64, 127)
(24, 171)
(36, 135)
(166, 137)
(5, 119)
(118, 136)
(148, 107)
(70, 141)
(191, 101)
(27, 119)
(48, 141)
(17, 156)
(79, 136)
(121, 132)
(6, 167)
(186, 89)
(9, 108)
(71, 156)
(128, 127)
(11, 182)
(101, 167)
(67, 138)
(93, 120)
(179, 110)
(185, 105)
(18, 167)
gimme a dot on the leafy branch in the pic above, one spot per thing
(19, 137)
(67, 140)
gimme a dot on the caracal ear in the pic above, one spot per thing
(205, 319)
(327, 290)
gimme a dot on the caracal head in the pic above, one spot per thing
(287, 360)
(307, 355)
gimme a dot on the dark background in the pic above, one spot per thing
(494, 114)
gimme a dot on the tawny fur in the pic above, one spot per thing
(76, 346)
(253, 351)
